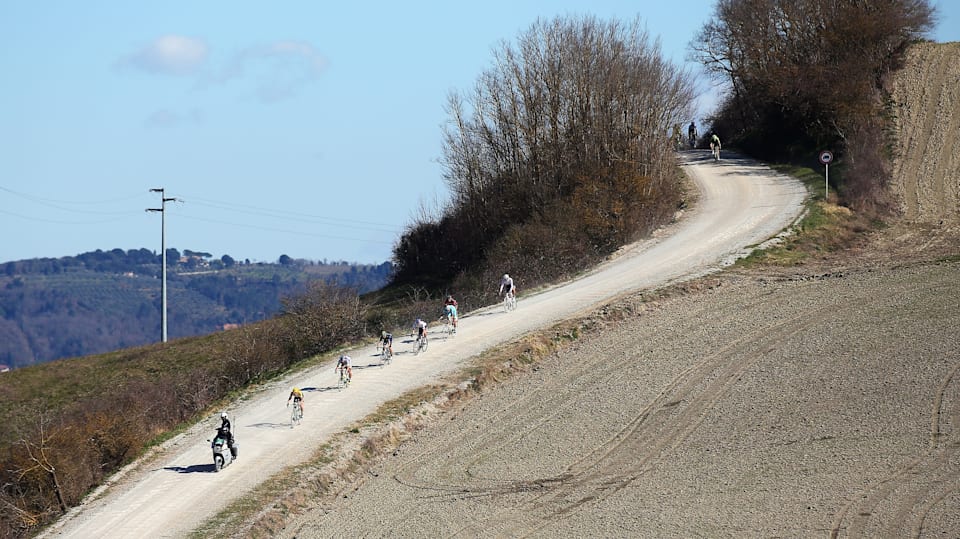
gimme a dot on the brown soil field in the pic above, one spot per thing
(813, 401)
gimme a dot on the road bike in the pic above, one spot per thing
(509, 302)
(386, 356)
(296, 414)
(344, 381)
(449, 328)
(715, 151)
(420, 345)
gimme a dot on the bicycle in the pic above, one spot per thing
(296, 414)
(385, 355)
(449, 329)
(344, 381)
(420, 345)
(715, 151)
(509, 302)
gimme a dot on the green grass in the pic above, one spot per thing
(824, 228)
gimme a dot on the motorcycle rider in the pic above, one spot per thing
(225, 431)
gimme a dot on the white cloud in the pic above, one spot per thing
(270, 73)
(278, 70)
(171, 55)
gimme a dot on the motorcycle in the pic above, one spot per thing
(223, 455)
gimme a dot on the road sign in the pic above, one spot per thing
(826, 156)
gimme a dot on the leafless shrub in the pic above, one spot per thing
(805, 75)
(563, 114)
(320, 319)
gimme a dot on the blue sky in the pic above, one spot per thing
(300, 127)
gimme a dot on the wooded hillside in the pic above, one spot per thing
(100, 301)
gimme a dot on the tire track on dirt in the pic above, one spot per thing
(927, 96)
(917, 488)
(662, 425)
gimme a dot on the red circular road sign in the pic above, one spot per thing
(826, 156)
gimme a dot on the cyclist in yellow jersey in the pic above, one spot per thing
(297, 397)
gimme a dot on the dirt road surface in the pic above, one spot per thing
(808, 406)
(741, 204)
(814, 401)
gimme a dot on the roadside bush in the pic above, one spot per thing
(100, 412)
(806, 75)
(321, 319)
(557, 158)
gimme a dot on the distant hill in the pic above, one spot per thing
(52, 308)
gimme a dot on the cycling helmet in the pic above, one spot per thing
(505, 276)
(383, 334)
(296, 389)
(223, 415)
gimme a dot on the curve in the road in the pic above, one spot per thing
(742, 204)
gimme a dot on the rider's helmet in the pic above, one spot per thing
(295, 389)
(223, 415)
(505, 276)
(383, 334)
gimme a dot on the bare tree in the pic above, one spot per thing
(571, 99)
(812, 64)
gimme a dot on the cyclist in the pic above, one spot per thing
(386, 341)
(344, 363)
(507, 286)
(715, 145)
(421, 328)
(692, 134)
(297, 396)
(450, 310)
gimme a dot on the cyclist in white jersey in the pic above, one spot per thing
(421, 328)
(506, 286)
(344, 363)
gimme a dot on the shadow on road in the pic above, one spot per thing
(193, 468)
(269, 425)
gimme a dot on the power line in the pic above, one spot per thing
(283, 231)
(286, 214)
(59, 222)
(59, 204)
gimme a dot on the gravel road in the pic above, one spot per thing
(741, 203)
(807, 406)
(820, 401)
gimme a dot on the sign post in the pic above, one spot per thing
(825, 157)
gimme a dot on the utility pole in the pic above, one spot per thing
(163, 257)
